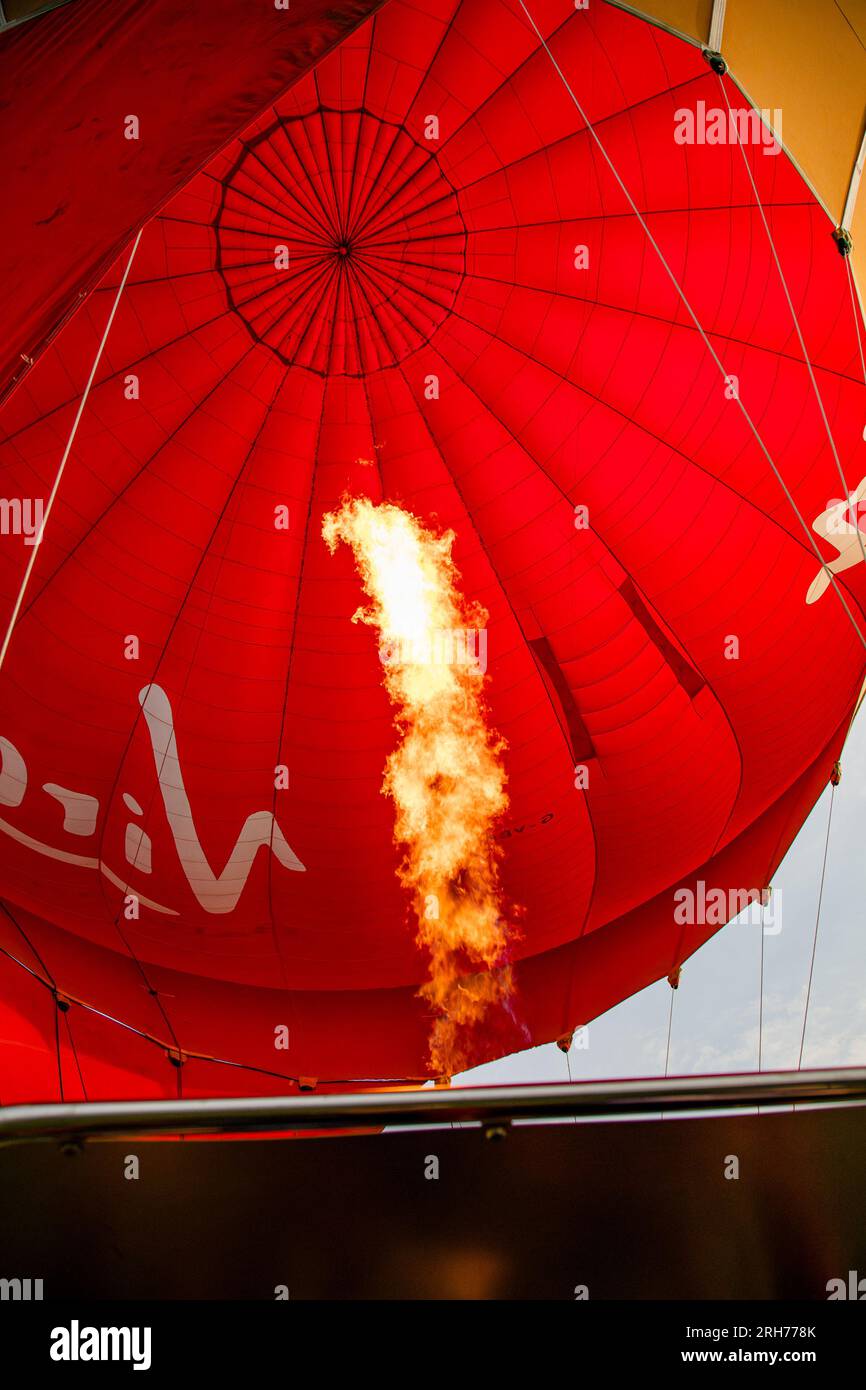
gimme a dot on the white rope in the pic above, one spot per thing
(855, 309)
(717, 25)
(668, 1046)
(570, 1077)
(817, 924)
(761, 998)
(694, 318)
(794, 317)
(670, 1028)
(66, 452)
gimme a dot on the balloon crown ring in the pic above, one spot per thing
(354, 282)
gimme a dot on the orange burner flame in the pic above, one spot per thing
(446, 776)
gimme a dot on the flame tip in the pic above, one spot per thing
(445, 818)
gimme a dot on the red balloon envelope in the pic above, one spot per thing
(418, 278)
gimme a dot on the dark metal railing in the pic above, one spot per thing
(492, 1107)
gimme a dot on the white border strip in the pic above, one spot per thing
(854, 187)
(717, 25)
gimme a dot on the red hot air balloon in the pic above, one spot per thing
(475, 265)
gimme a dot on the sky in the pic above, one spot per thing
(716, 1008)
